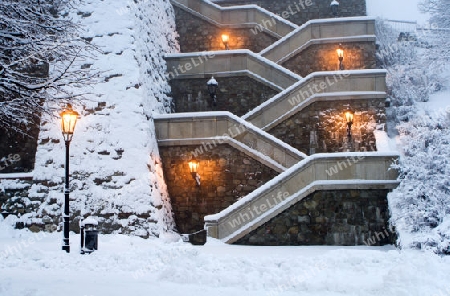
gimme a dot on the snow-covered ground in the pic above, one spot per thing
(34, 265)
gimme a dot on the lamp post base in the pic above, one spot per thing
(66, 248)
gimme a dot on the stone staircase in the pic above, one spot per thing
(212, 128)
(300, 175)
(338, 30)
(317, 172)
(229, 63)
(248, 16)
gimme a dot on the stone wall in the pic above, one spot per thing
(18, 147)
(197, 34)
(299, 12)
(238, 95)
(226, 175)
(321, 127)
(323, 57)
(337, 217)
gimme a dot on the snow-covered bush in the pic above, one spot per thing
(420, 206)
(414, 71)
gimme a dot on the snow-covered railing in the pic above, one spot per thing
(340, 30)
(350, 83)
(229, 63)
(243, 16)
(337, 171)
(207, 130)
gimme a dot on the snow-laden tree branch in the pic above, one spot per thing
(38, 47)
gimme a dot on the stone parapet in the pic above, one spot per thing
(318, 172)
(207, 127)
(236, 17)
(301, 11)
(344, 83)
(340, 30)
(229, 62)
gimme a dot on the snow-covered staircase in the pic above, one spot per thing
(335, 171)
(318, 86)
(350, 29)
(209, 129)
(247, 16)
(300, 174)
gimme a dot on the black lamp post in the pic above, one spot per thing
(225, 40)
(212, 89)
(340, 53)
(334, 8)
(68, 122)
(193, 168)
(349, 119)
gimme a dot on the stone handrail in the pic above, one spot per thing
(17, 176)
(273, 111)
(367, 170)
(340, 30)
(244, 16)
(227, 63)
(211, 126)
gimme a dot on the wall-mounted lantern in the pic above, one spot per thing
(193, 168)
(225, 39)
(349, 120)
(340, 54)
(334, 8)
(212, 89)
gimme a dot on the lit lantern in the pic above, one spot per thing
(349, 119)
(340, 53)
(68, 121)
(193, 168)
(225, 39)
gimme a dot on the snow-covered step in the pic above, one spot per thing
(229, 63)
(213, 128)
(333, 85)
(337, 171)
(336, 30)
(243, 16)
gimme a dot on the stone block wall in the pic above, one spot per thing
(197, 35)
(238, 94)
(323, 57)
(333, 217)
(301, 11)
(20, 148)
(226, 175)
(321, 127)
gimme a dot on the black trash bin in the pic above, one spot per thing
(89, 235)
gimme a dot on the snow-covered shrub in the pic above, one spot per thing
(414, 72)
(420, 206)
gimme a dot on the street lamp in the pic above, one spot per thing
(340, 53)
(349, 119)
(334, 8)
(225, 39)
(193, 168)
(212, 89)
(68, 121)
